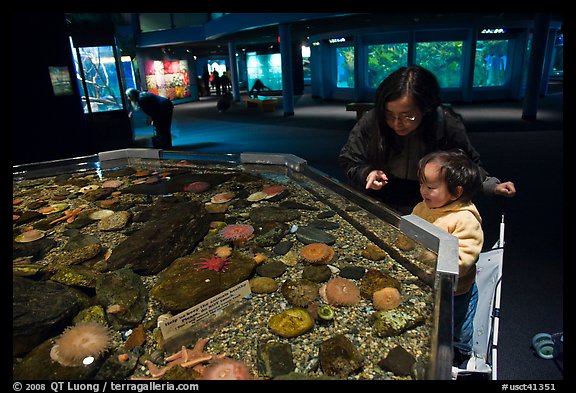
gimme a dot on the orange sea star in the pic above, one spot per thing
(192, 358)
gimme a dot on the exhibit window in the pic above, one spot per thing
(491, 61)
(383, 60)
(444, 59)
(167, 78)
(98, 78)
(267, 68)
(345, 66)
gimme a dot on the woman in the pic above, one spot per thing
(408, 121)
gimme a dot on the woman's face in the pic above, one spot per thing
(403, 115)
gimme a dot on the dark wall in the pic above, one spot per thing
(44, 126)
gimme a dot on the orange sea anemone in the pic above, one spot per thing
(386, 298)
(317, 253)
(86, 339)
(340, 291)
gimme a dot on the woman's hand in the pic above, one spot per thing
(506, 189)
(376, 179)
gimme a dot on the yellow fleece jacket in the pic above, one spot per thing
(463, 221)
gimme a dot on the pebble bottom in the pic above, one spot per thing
(239, 337)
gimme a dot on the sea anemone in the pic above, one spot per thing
(227, 369)
(317, 253)
(223, 251)
(30, 236)
(86, 339)
(197, 187)
(236, 232)
(113, 183)
(340, 291)
(273, 190)
(223, 197)
(386, 298)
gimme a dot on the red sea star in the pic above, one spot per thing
(215, 263)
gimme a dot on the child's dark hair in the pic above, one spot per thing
(457, 169)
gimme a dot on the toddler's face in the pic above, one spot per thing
(434, 189)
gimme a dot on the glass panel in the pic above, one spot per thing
(267, 68)
(306, 64)
(383, 60)
(345, 66)
(558, 59)
(490, 64)
(101, 78)
(188, 19)
(154, 22)
(444, 59)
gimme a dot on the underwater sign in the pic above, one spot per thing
(208, 310)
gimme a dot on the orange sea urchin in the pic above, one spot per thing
(79, 342)
(317, 253)
(236, 232)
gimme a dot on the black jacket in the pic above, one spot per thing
(366, 150)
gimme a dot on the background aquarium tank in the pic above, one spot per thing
(267, 68)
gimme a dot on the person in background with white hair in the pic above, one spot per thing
(158, 111)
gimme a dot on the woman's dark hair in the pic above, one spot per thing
(457, 169)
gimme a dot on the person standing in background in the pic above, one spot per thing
(158, 112)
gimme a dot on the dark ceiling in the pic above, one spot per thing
(265, 39)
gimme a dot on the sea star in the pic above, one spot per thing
(215, 263)
(189, 358)
(69, 215)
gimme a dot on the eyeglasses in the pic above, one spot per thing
(403, 118)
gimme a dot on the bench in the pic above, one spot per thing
(360, 108)
(264, 104)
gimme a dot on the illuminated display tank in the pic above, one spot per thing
(169, 265)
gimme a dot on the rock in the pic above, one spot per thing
(374, 253)
(274, 359)
(399, 361)
(291, 322)
(40, 309)
(374, 280)
(115, 222)
(273, 213)
(324, 224)
(388, 323)
(354, 272)
(283, 247)
(181, 286)
(316, 273)
(271, 269)
(339, 357)
(126, 288)
(309, 235)
(161, 240)
(263, 285)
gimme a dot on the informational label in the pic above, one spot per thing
(209, 308)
